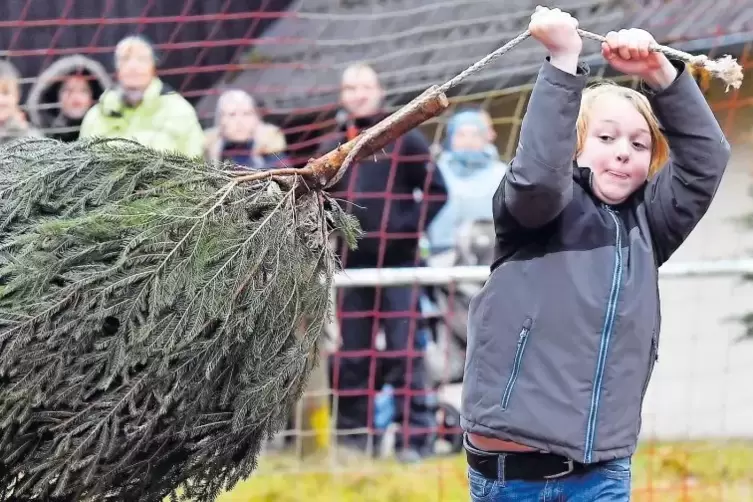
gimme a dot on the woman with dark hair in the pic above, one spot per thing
(63, 94)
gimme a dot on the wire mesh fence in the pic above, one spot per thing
(697, 436)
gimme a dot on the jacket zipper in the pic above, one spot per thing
(606, 335)
(522, 340)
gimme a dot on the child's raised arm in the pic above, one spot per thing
(679, 195)
(538, 184)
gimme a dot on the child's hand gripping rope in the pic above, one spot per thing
(628, 51)
(558, 32)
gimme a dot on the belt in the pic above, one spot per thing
(525, 466)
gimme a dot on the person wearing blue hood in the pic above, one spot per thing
(472, 171)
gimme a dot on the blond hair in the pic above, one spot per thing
(9, 78)
(359, 67)
(126, 46)
(268, 138)
(659, 143)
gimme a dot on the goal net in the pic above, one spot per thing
(697, 433)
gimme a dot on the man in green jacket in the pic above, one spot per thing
(143, 108)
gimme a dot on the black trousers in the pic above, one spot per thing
(395, 309)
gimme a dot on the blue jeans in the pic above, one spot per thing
(609, 482)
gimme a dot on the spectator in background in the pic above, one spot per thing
(381, 192)
(472, 171)
(239, 135)
(13, 123)
(63, 94)
(142, 107)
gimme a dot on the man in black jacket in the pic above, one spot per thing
(394, 195)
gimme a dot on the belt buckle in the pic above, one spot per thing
(570, 468)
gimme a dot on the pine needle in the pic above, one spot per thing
(157, 318)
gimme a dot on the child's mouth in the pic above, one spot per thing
(615, 174)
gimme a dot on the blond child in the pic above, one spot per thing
(13, 123)
(563, 337)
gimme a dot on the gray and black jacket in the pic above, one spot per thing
(563, 337)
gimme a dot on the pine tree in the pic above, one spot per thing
(158, 318)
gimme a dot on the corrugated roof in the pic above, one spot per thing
(672, 21)
(417, 43)
(411, 43)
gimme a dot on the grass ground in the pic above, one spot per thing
(671, 472)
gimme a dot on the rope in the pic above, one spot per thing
(484, 62)
(725, 68)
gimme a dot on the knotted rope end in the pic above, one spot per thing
(725, 68)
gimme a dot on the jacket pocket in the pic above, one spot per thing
(519, 350)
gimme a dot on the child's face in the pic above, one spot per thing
(617, 148)
(75, 97)
(136, 66)
(361, 93)
(8, 99)
(469, 138)
(238, 121)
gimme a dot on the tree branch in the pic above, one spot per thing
(328, 169)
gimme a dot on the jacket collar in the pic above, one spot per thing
(362, 123)
(13, 127)
(583, 176)
(114, 105)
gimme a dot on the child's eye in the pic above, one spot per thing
(640, 146)
(605, 137)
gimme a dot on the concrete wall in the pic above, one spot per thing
(703, 382)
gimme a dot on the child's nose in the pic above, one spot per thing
(623, 151)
